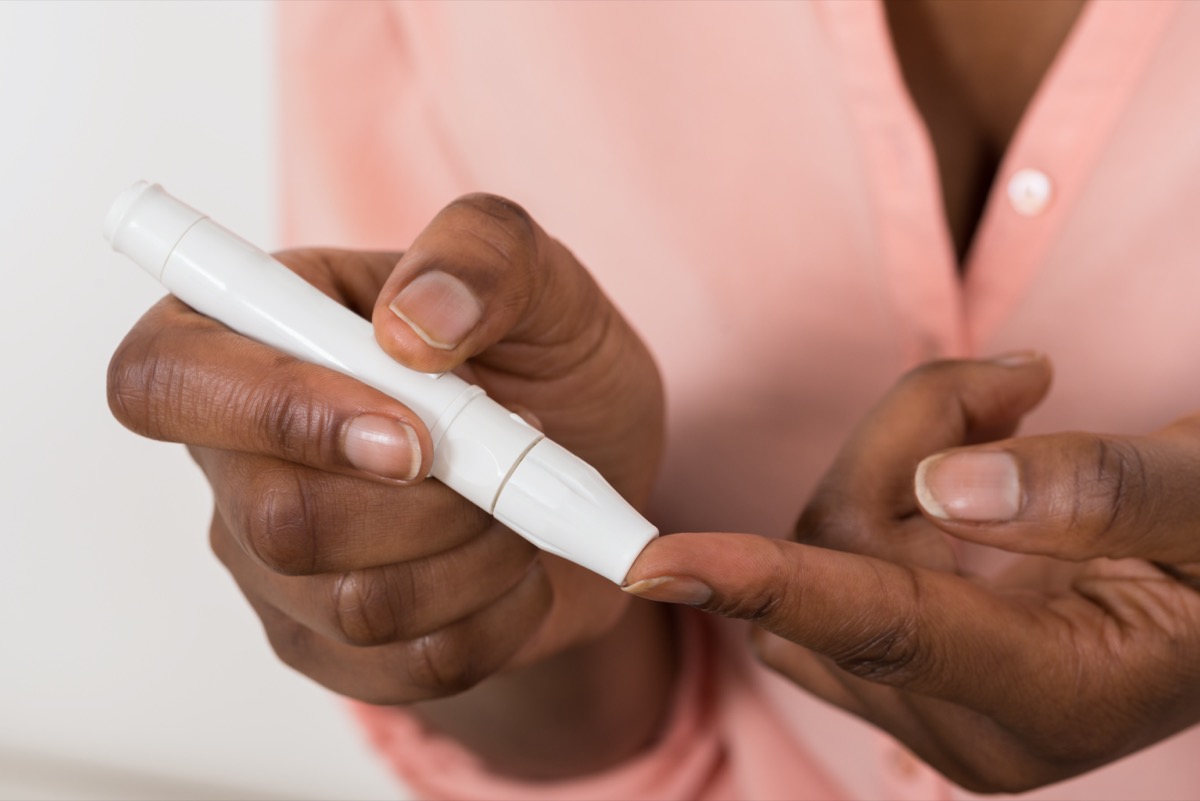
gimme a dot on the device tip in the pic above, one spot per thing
(563, 505)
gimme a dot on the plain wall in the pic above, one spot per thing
(131, 666)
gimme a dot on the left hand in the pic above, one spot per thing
(1054, 667)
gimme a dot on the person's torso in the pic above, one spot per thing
(753, 186)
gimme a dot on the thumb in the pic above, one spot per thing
(484, 282)
(484, 271)
(1073, 496)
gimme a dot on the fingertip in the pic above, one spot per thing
(1033, 363)
(926, 500)
(1019, 358)
(970, 485)
(673, 555)
(388, 447)
(426, 321)
(736, 575)
(671, 589)
(439, 308)
(451, 294)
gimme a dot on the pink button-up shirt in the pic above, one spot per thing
(754, 188)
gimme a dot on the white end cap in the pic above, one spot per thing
(145, 223)
(563, 505)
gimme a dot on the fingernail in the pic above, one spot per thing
(671, 589)
(974, 486)
(439, 308)
(1016, 358)
(383, 446)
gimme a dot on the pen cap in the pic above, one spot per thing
(145, 223)
(563, 505)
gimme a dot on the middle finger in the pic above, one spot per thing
(389, 603)
(297, 520)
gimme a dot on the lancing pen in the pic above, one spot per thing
(482, 451)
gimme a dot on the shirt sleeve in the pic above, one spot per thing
(685, 761)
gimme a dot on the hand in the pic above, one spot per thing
(1004, 683)
(375, 583)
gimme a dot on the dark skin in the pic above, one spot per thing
(1003, 683)
(392, 589)
(1086, 650)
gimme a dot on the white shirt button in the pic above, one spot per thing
(1029, 191)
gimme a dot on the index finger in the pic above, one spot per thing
(181, 377)
(921, 630)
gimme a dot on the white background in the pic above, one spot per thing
(129, 665)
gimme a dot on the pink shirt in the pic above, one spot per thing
(754, 188)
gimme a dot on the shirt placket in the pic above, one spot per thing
(1053, 152)
(939, 313)
(916, 254)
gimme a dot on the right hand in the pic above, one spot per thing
(374, 582)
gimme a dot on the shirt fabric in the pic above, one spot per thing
(755, 190)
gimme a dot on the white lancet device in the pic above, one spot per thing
(488, 455)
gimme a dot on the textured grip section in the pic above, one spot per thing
(563, 505)
(480, 448)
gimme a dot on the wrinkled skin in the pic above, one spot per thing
(390, 588)
(1077, 654)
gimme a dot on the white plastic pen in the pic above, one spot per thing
(481, 450)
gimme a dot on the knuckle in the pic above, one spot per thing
(139, 382)
(278, 523)
(509, 214)
(888, 654)
(295, 646)
(501, 225)
(289, 640)
(936, 387)
(444, 663)
(885, 657)
(364, 611)
(289, 416)
(763, 601)
(755, 607)
(1112, 479)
